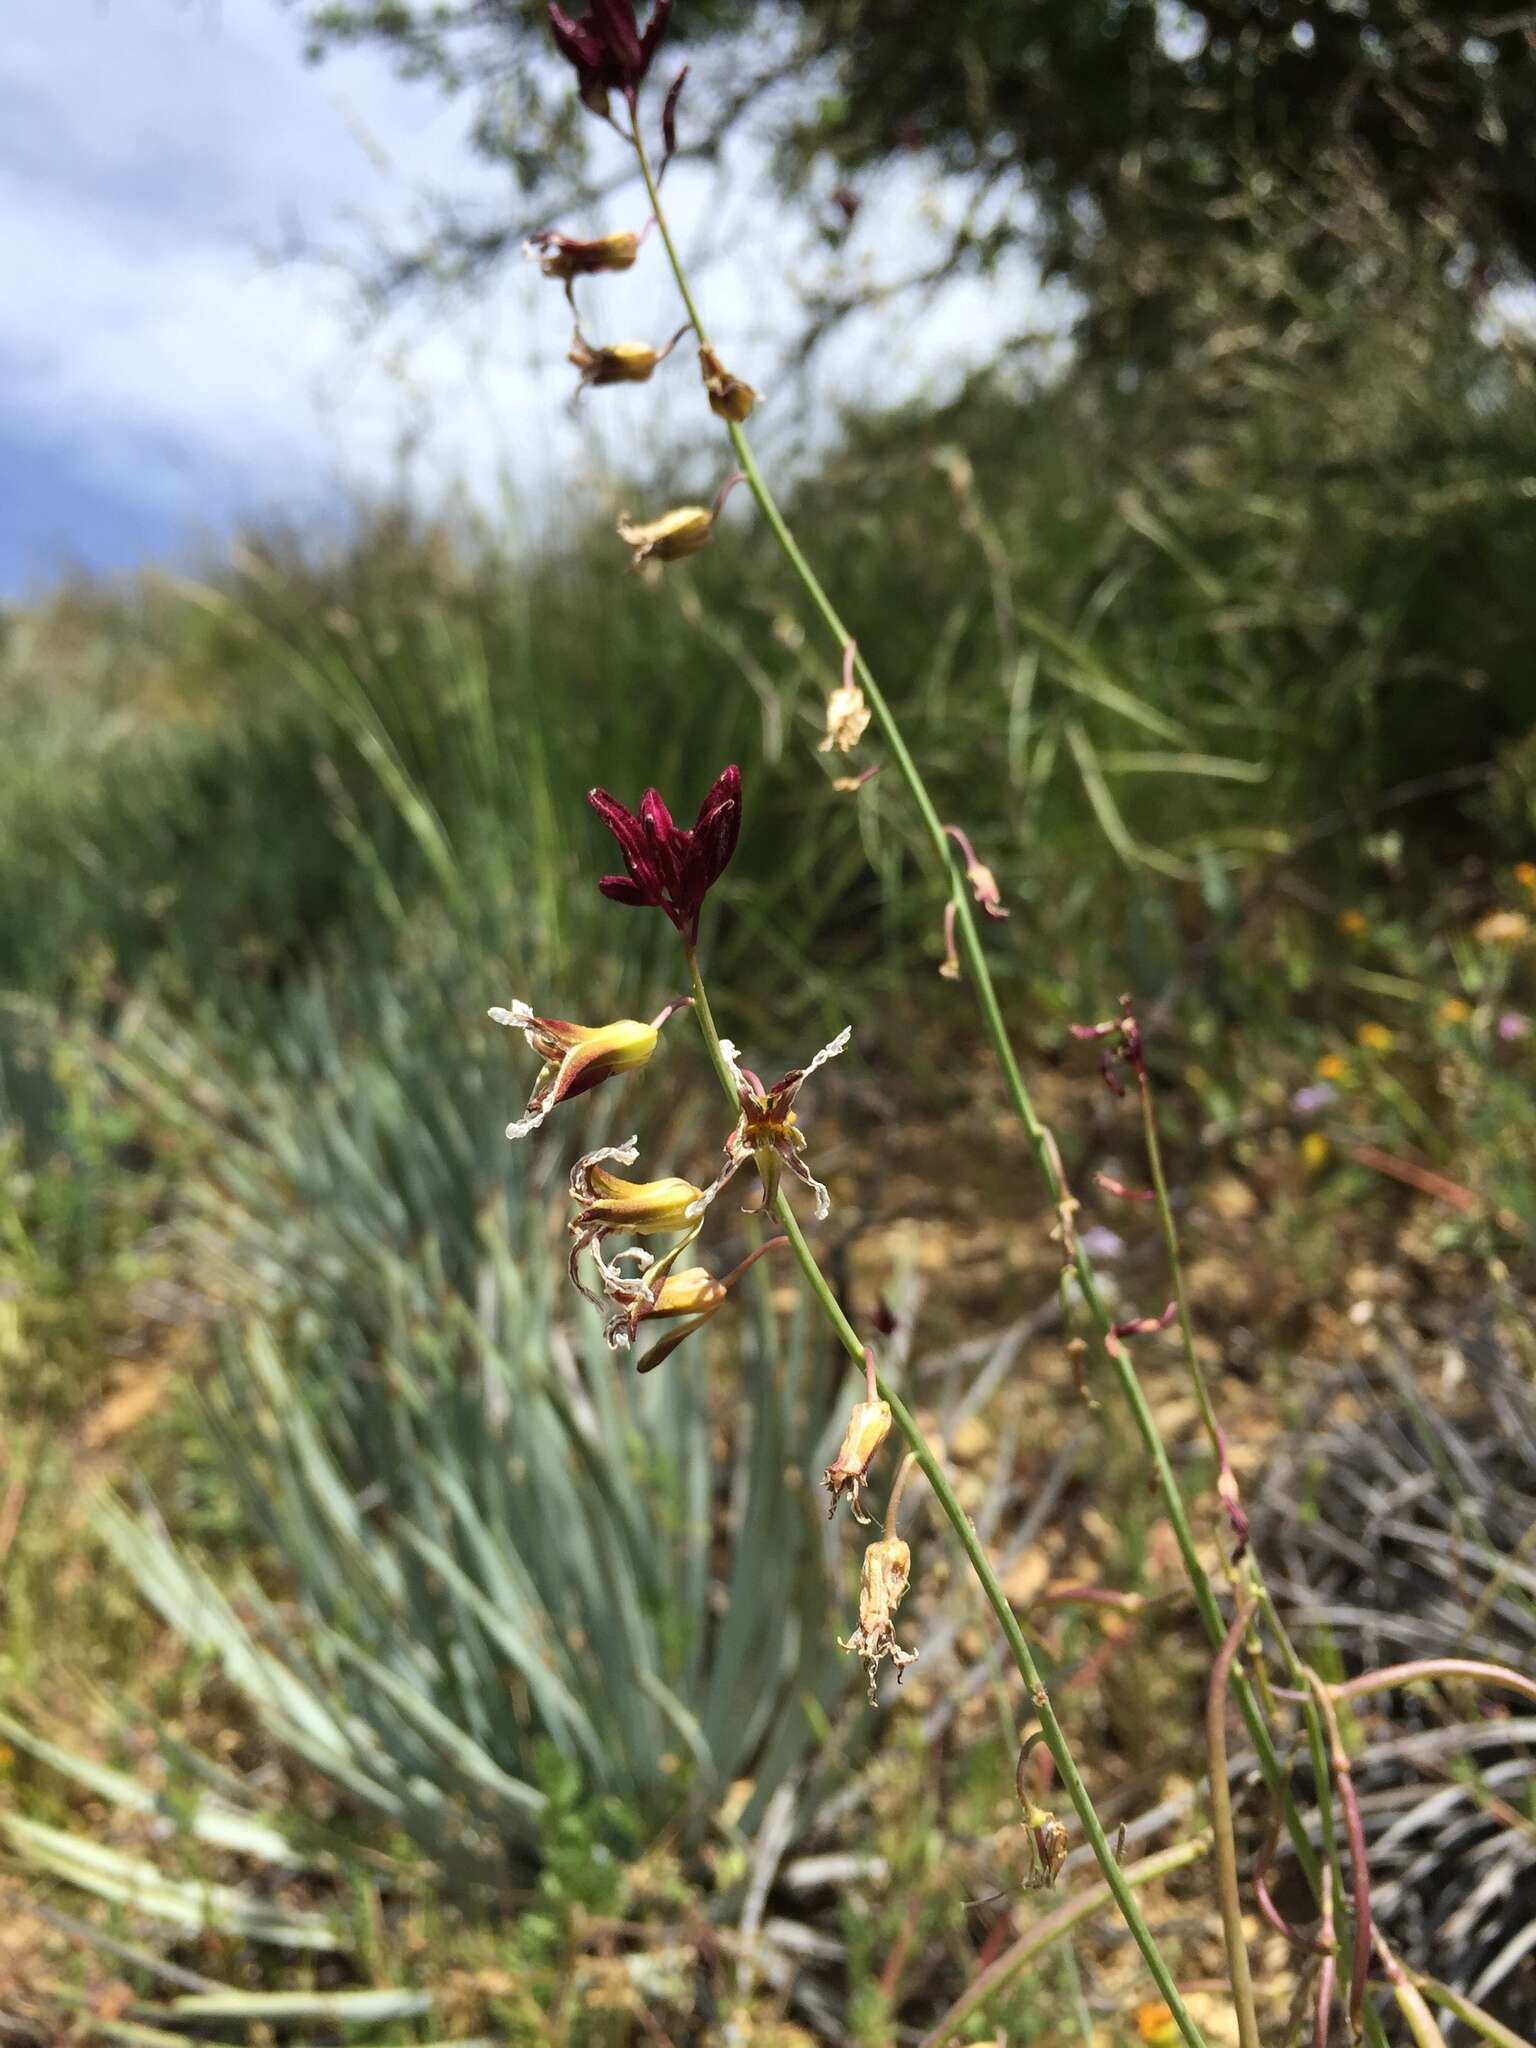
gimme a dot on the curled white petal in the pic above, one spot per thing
(517, 1017)
(732, 1060)
(733, 1161)
(643, 1259)
(829, 1052)
(528, 1123)
(623, 1155)
(804, 1175)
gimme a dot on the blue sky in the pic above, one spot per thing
(165, 370)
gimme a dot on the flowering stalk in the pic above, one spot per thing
(959, 1521)
(962, 923)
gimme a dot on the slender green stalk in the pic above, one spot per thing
(1482, 2023)
(1041, 1143)
(1175, 1261)
(1227, 1894)
(960, 1522)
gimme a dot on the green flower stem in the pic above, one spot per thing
(959, 1521)
(1040, 1141)
(1225, 1844)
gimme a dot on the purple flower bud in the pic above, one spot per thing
(606, 48)
(670, 868)
(1513, 1025)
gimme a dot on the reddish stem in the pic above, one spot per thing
(1359, 1861)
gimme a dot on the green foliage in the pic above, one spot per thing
(1134, 127)
(503, 1544)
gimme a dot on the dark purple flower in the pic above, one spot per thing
(606, 47)
(671, 867)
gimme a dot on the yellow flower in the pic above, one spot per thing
(1353, 923)
(1374, 1037)
(612, 1207)
(1524, 872)
(1332, 1067)
(576, 1056)
(680, 532)
(694, 1293)
(1314, 1151)
(868, 1427)
(1502, 928)
(1453, 1011)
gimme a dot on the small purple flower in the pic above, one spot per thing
(606, 48)
(1309, 1101)
(672, 867)
(1513, 1026)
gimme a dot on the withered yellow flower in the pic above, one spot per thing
(848, 716)
(729, 398)
(680, 532)
(868, 1427)
(886, 1577)
(1047, 1848)
(614, 1207)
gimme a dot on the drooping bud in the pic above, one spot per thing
(729, 398)
(683, 531)
(868, 1427)
(981, 878)
(886, 1577)
(566, 256)
(620, 362)
(695, 1294)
